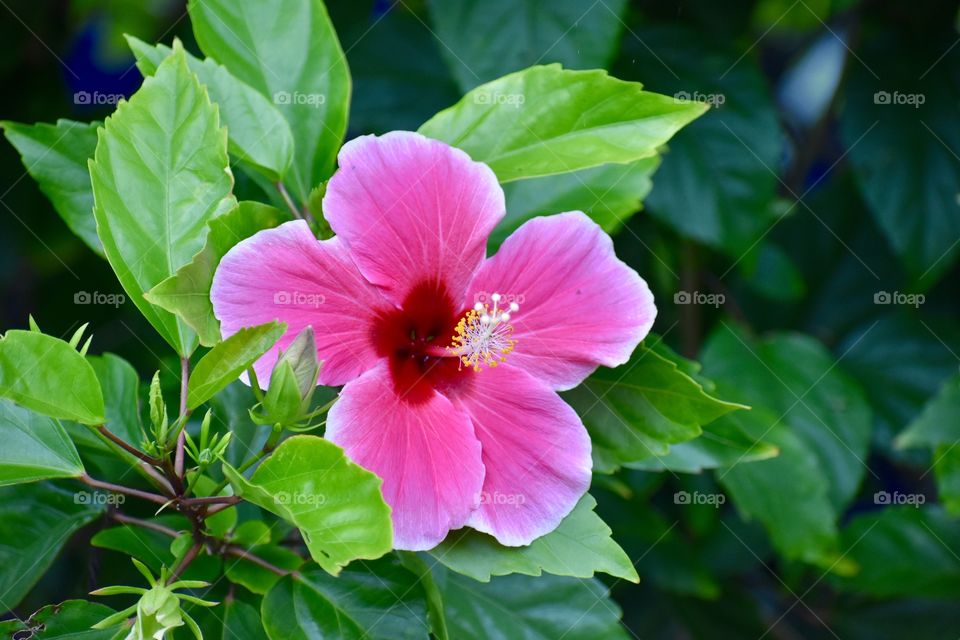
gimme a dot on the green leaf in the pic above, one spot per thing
(47, 375)
(946, 467)
(579, 547)
(523, 608)
(379, 600)
(225, 362)
(336, 504)
(718, 177)
(35, 522)
(547, 120)
(788, 494)
(187, 292)
(797, 379)
(288, 51)
(723, 443)
(56, 156)
(160, 173)
(435, 610)
(152, 548)
(70, 620)
(241, 621)
(257, 132)
(609, 194)
(940, 421)
(256, 578)
(900, 128)
(903, 551)
(524, 33)
(636, 411)
(34, 447)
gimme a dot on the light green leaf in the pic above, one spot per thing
(34, 447)
(187, 292)
(546, 120)
(225, 362)
(379, 600)
(718, 176)
(636, 411)
(47, 375)
(522, 33)
(56, 156)
(70, 620)
(579, 547)
(523, 608)
(609, 194)
(36, 520)
(903, 551)
(336, 504)
(258, 134)
(288, 51)
(160, 173)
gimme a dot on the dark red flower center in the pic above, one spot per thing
(415, 339)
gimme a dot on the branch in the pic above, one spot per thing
(227, 500)
(242, 553)
(146, 524)
(123, 444)
(187, 559)
(116, 488)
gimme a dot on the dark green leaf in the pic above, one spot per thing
(56, 156)
(636, 411)
(546, 120)
(35, 447)
(256, 578)
(70, 620)
(378, 600)
(35, 522)
(523, 33)
(241, 622)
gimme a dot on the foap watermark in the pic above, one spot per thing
(295, 498)
(715, 300)
(897, 98)
(298, 299)
(99, 498)
(96, 98)
(495, 97)
(95, 297)
(898, 498)
(498, 498)
(896, 297)
(698, 498)
(712, 99)
(315, 100)
(505, 299)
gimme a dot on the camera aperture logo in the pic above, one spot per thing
(298, 299)
(95, 297)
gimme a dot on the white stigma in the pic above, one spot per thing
(483, 337)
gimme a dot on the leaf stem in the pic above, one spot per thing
(181, 438)
(289, 201)
(146, 524)
(123, 444)
(240, 552)
(187, 559)
(228, 500)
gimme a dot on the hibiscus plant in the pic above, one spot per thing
(372, 400)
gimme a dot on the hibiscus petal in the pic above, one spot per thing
(286, 274)
(426, 453)
(536, 453)
(413, 211)
(580, 306)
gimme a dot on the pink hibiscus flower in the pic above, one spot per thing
(450, 361)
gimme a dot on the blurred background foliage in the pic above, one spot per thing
(806, 205)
